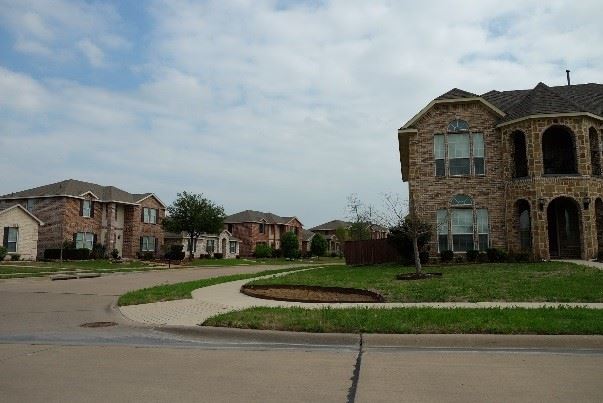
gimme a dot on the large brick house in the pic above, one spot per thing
(255, 227)
(86, 214)
(329, 231)
(517, 170)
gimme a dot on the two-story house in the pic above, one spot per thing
(255, 227)
(329, 231)
(87, 214)
(517, 170)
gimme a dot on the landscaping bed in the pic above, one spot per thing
(417, 320)
(310, 293)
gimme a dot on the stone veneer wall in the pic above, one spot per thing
(27, 239)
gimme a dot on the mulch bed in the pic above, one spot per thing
(414, 276)
(304, 293)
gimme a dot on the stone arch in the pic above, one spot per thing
(595, 151)
(519, 154)
(559, 151)
(564, 223)
(523, 224)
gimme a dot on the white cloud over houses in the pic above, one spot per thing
(265, 105)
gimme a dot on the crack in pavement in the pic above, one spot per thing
(356, 373)
(28, 353)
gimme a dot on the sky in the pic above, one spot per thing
(279, 106)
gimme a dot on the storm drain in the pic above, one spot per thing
(98, 324)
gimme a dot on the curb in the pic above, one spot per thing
(392, 341)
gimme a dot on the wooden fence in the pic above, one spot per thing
(373, 251)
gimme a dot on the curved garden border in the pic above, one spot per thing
(296, 293)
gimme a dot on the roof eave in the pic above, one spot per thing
(550, 115)
(404, 150)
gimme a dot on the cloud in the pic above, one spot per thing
(280, 106)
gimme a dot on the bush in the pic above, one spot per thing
(218, 255)
(2, 253)
(520, 257)
(424, 257)
(290, 245)
(482, 257)
(175, 252)
(472, 255)
(446, 256)
(599, 256)
(277, 253)
(400, 238)
(147, 256)
(318, 245)
(496, 255)
(15, 257)
(237, 257)
(115, 254)
(262, 251)
(98, 251)
(68, 254)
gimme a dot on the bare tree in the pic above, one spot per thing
(361, 216)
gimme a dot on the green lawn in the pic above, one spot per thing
(253, 261)
(417, 320)
(36, 269)
(169, 292)
(516, 282)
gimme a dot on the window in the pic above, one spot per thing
(439, 152)
(86, 208)
(188, 248)
(31, 204)
(261, 228)
(461, 225)
(149, 215)
(461, 150)
(525, 233)
(520, 156)
(233, 246)
(230, 228)
(147, 244)
(209, 247)
(461, 200)
(442, 226)
(482, 229)
(11, 236)
(84, 240)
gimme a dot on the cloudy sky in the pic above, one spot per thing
(278, 106)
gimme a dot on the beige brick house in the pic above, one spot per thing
(255, 227)
(517, 170)
(206, 244)
(87, 213)
(19, 232)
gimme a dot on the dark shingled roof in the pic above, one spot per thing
(72, 187)
(306, 235)
(256, 216)
(331, 225)
(543, 99)
(456, 93)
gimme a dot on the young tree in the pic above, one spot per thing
(361, 217)
(318, 246)
(194, 214)
(290, 245)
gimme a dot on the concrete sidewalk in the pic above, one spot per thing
(226, 297)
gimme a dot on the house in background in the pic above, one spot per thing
(518, 170)
(19, 232)
(206, 244)
(306, 241)
(255, 227)
(329, 231)
(86, 213)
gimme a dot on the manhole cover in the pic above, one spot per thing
(98, 324)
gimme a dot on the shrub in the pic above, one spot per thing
(400, 238)
(472, 255)
(520, 257)
(600, 256)
(277, 253)
(446, 256)
(262, 251)
(68, 254)
(15, 257)
(290, 245)
(482, 257)
(98, 251)
(334, 254)
(148, 256)
(2, 253)
(318, 245)
(496, 255)
(237, 257)
(218, 255)
(424, 257)
(459, 259)
(115, 254)
(175, 252)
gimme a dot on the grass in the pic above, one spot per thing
(516, 282)
(417, 320)
(253, 261)
(37, 269)
(170, 292)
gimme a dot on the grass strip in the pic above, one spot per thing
(417, 320)
(525, 282)
(170, 292)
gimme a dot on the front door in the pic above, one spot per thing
(223, 247)
(564, 228)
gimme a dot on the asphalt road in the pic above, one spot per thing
(45, 355)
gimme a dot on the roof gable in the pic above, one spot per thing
(20, 207)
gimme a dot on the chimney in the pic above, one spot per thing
(568, 77)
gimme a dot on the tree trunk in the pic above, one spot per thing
(415, 247)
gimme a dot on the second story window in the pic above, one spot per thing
(262, 228)
(459, 152)
(86, 208)
(149, 215)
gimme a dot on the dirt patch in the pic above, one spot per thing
(414, 276)
(98, 324)
(305, 293)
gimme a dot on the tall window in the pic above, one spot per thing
(262, 228)
(595, 151)
(209, 247)
(525, 233)
(31, 204)
(84, 240)
(147, 244)
(520, 157)
(149, 215)
(233, 246)
(11, 237)
(459, 150)
(558, 151)
(462, 227)
(86, 208)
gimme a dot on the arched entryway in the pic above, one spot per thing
(563, 217)
(558, 151)
(224, 247)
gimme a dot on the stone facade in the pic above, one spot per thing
(498, 190)
(222, 244)
(27, 236)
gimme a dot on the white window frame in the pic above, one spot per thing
(82, 239)
(148, 244)
(210, 246)
(483, 228)
(15, 230)
(479, 226)
(149, 215)
(232, 246)
(31, 203)
(472, 152)
(87, 211)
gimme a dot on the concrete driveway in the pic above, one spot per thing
(46, 356)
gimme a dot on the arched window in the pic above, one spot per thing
(461, 200)
(558, 151)
(525, 225)
(520, 158)
(459, 150)
(595, 151)
(462, 227)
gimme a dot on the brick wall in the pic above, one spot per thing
(27, 238)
